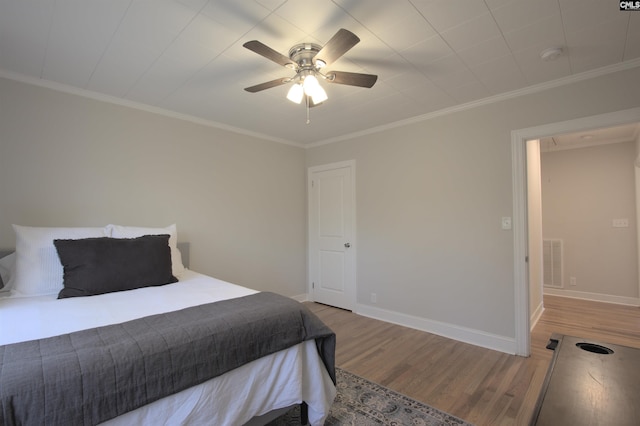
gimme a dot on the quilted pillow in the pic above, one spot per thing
(104, 265)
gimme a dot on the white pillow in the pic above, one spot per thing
(8, 271)
(118, 231)
(38, 268)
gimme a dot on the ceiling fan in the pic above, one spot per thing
(307, 60)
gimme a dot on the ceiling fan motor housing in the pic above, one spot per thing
(302, 55)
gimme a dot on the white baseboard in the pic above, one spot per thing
(535, 315)
(301, 297)
(451, 331)
(595, 297)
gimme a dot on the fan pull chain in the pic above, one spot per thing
(307, 103)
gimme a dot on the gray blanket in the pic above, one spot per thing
(90, 376)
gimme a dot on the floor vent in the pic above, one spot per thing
(552, 263)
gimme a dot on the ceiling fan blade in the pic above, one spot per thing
(269, 53)
(268, 85)
(352, 78)
(339, 44)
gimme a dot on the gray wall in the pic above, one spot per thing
(583, 190)
(71, 161)
(430, 196)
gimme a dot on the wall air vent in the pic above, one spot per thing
(552, 263)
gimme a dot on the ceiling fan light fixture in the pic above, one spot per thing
(313, 89)
(319, 95)
(295, 94)
(310, 83)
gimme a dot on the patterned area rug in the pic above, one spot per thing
(361, 402)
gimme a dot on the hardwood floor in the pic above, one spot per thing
(481, 386)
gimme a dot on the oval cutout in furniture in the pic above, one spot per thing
(596, 349)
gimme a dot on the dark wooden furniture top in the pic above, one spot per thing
(590, 383)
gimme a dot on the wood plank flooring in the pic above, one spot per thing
(481, 386)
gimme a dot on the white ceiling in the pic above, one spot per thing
(187, 57)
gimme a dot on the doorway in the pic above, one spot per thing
(519, 140)
(332, 244)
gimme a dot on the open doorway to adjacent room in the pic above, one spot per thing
(528, 222)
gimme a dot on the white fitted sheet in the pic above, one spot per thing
(279, 380)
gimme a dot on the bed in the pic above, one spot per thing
(110, 339)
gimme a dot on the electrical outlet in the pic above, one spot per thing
(572, 280)
(374, 298)
(620, 223)
(506, 223)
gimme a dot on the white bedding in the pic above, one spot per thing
(279, 380)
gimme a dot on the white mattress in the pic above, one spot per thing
(279, 380)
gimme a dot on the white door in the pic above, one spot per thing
(331, 234)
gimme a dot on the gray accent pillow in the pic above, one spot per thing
(103, 265)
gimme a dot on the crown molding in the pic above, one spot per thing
(486, 101)
(60, 87)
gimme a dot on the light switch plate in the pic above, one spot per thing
(506, 223)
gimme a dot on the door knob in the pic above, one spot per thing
(347, 245)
